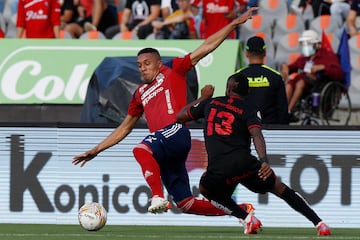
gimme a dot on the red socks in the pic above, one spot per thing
(200, 206)
(150, 169)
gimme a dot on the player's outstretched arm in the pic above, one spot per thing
(212, 42)
(115, 137)
(206, 92)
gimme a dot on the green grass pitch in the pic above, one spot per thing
(110, 232)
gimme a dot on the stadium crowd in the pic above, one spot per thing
(202, 17)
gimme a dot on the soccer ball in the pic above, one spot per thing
(92, 216)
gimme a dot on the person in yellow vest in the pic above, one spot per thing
(266, 85)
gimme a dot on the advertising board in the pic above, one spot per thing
(39, 184)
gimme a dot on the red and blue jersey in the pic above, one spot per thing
(163, 98)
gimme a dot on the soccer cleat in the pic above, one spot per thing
(251, 225)
(323, 229)
(247, 207)
(159, 205)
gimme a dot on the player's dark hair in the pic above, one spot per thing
(149, 50)
(241, 84)
(257, 53)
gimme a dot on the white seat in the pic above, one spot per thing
(289, 23)
(150, 37)
(92, 35)
(257, 24)
(334, 41)
(288, 48)
(324, 23)
(128, 36)
(354, 49)
(65, 34)
(272, 10)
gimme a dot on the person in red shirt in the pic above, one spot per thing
(216, 15)
(38, 19)
(2, 34)
(164, 151)
(315, 66)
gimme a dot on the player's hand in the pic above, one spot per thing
(207, 91)
(245, 16)
(265, 171)
(84, 158)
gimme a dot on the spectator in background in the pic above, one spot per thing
(242, 6)
(96, 15)
(339, 9)
(319, 7)
(315, 66)
(168, 7)
(38, 19)
(266, 86)
(138, 16)
(216, 15)
(69, 13)
(353, 20)
(2, 34)
(178, 25)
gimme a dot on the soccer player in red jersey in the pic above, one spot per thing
(38, 19)
(164, 151)
(216, 15)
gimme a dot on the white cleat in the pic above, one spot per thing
(158, 205)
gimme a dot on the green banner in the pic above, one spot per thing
(58, 71)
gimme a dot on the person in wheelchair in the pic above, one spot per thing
(312, 69)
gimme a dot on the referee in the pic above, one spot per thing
(267, 89)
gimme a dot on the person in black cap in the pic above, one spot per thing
(267, 88)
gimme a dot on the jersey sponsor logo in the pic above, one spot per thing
(228, 106)
(31, 15)
(153, 90)
(215, 8)
(258, 81)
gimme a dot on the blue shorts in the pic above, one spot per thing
(170, 147)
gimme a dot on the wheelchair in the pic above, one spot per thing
(327, 104)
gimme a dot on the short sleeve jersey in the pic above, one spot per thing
(214, 12)
(163, 98)
(267, 93)
(38, 17)
(141, 9)
(227, 124)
